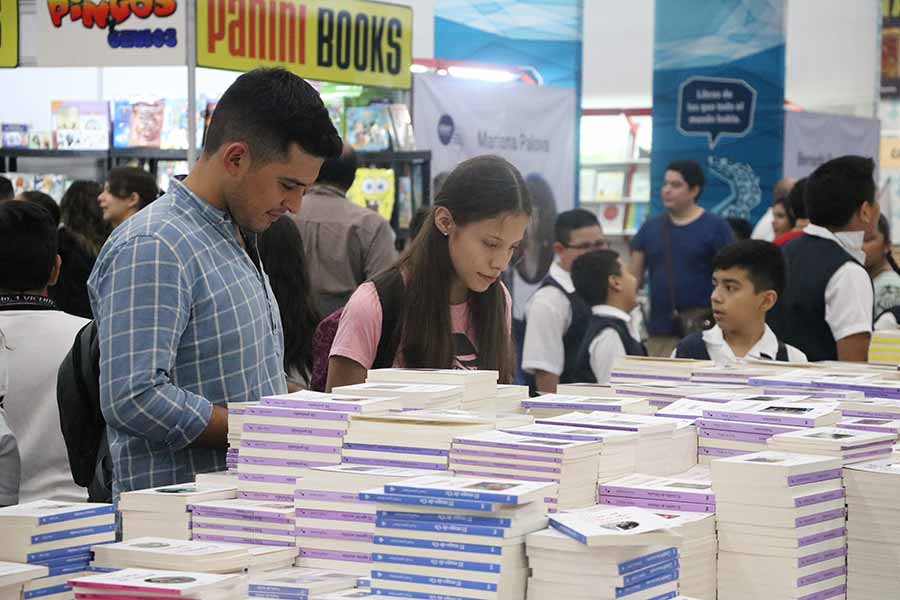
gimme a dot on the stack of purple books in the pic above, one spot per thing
(662, 493)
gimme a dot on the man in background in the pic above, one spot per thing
(345, 244)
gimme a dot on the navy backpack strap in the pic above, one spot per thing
(782, 355)
(692, 346)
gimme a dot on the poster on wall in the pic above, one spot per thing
(890, 49)
(74, 33)
(9, 33)
(532, 128)
(811, 139)
(718, 98)
(345, 41)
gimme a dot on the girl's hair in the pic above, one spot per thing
(124, 181)
(484, 187)
(81, 214)
(885, 229)
(282, 256)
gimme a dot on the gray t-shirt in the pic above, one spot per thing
(10, 465)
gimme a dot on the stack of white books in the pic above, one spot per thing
(723, 397)
(551, 405)
(870, 424)
(662, 393)
(814, 379)
(334, 527)
(270, 558)
(218, 479)
(279, 442)
(236, 413)
(163, 511)
(629, 369)
(442, 536)
(412, 440)
(618, 454)
(872, 529)
(873, 408)
(664, 447)
(745, 426)
(572, 465)
(15, 576)
(697, 549)
(480, 387)
(781, 523)
(603, 552)
(242, 521)
(56, 535)
(659, 493)
(177, 555)
(509, 398)
(850, 445)
(300, 583)
(738, 373)
(153, 583)
(687, 409)
(413, 396)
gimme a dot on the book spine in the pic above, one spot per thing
(293, 431)
(334, 534)
(199, 526)
(437, 563)
(312, 405)
(821, 576)
(450, 528)
(510, 457)
(738, 426)
(285, 462)
(95, 511)
(436, 581)
(402, 464)
(57, 571)
(867, 414)
(509, 446)
(670, 577)
(656, 494)
(461, 519)
(819, 517)
(356, 557)
(822, 537)
(265, 497)
(874, 428)
(818, 498)
(72, 533)
(258, 593)
(200, 512)
(812, 559)
(587, 436)
(79, 559)
(648, 560)
(285, 446)
(241, 540)
(47, 591)
(652, 572)
(826, 594)
(500, 465)
(571, 406)
(388, 498)
(386, 591)
(568, 531)
(397, 449)
(859, 456)
(736, 436)
(721, 452)
(333, 515)
(383, 540)
(758, 418)
(658, 504)
(36, 557)
(315, 415)
(452, 494)
(814, 477)
(260, 478)
(323, 496)
(279, 591)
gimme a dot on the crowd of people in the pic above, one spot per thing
(150, 312)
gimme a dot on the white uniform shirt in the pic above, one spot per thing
(607, 345)
(549, 315)
(765, 349)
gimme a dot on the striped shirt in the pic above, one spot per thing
(185, 320)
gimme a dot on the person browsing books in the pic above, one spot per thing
(677, 248)
(186, 319)
(748, 278)
(557, 315)
(610, 289)
(826, 310)
(451, 310)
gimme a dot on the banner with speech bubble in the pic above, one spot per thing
(718, 99)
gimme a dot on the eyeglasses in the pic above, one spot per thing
(597, 245)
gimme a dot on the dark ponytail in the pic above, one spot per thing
(481, 188)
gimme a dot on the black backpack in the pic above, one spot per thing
(80, 417)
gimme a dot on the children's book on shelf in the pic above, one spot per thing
(80, 125)
(374, 189)
(368, 128)
(404, 139)
(147, 124)
(13, 135)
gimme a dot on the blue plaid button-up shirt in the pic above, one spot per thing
(185, 320)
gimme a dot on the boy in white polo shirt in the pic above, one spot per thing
(748, 278)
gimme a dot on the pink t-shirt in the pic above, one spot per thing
(360, 329)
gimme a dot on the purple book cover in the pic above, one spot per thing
(870, 454)
(866, 414)
(822, 576)
(658, 494)
(506, 456)
(819, 557)
(821, 537)
(240, 540)
(538, 446)
(286, 462)
(335, 534)
(499, 465)
(211, 528)
(261, 478)
(813, 477)
(335, 515)
(265, 496)
(658, 504)
(362, 557)
(397, 449)
(288, 447)
(722, 452)
(735, 436)
(601, 406)
(779, 415)
(310, 404)
(826, 594)
(199, 512)
(377, 462)
(830, 515)
(802, 501)
(324, 496)
(874, 428)
(294, 431)
(769, 430)
(289, 413)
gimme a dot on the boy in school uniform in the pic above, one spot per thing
(748, 278)
(610, 290)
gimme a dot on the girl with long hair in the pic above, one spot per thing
(453, 310)
(882, 267)
(282, 256)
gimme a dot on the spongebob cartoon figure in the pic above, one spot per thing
(374, 189)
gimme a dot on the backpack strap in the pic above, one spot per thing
(692, 346)
(390, 288)
(782, 354)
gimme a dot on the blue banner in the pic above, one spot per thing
(718, 99)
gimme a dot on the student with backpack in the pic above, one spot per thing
(451, 310)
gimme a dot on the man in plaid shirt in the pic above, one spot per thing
(186, 318)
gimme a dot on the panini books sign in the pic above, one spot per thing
(346, 41)
(9, 33)
(110, 33)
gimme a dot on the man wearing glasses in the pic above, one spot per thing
(556, 316)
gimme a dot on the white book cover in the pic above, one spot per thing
(888, 466)
(603, 525)
(428, 391)
(723, 397)
(471, 488)
(871, 424)
(832, 438)
(564, 432)
(685, 409)
(43, 512)
(173, 548)
(623, 404)
(18, 573)
(298, 581)
(643, 424)
(771, 465)
(174, 498)
(156, 582)
(805, 414)
(309, 400)
(512, 441)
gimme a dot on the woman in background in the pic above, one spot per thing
(882, 268)
(282, 256)
(127, 190)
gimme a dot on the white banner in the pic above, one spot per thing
(531, 126)
(811, 139)
(110, 34)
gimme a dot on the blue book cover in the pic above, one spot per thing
(106, 509)
(416, 595)
(669, 577)
(78, 559)
(56, 589)
(56, 571)
(437, 563)
(384, 540)
(428, 501)
(121, 123)
(568, 531)
(36, 557)
(451, 528)
(257, 592)
(438, 581)
(462, 519)
(482, 496)
(642, 562)
(72, 533)
(650, 573)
